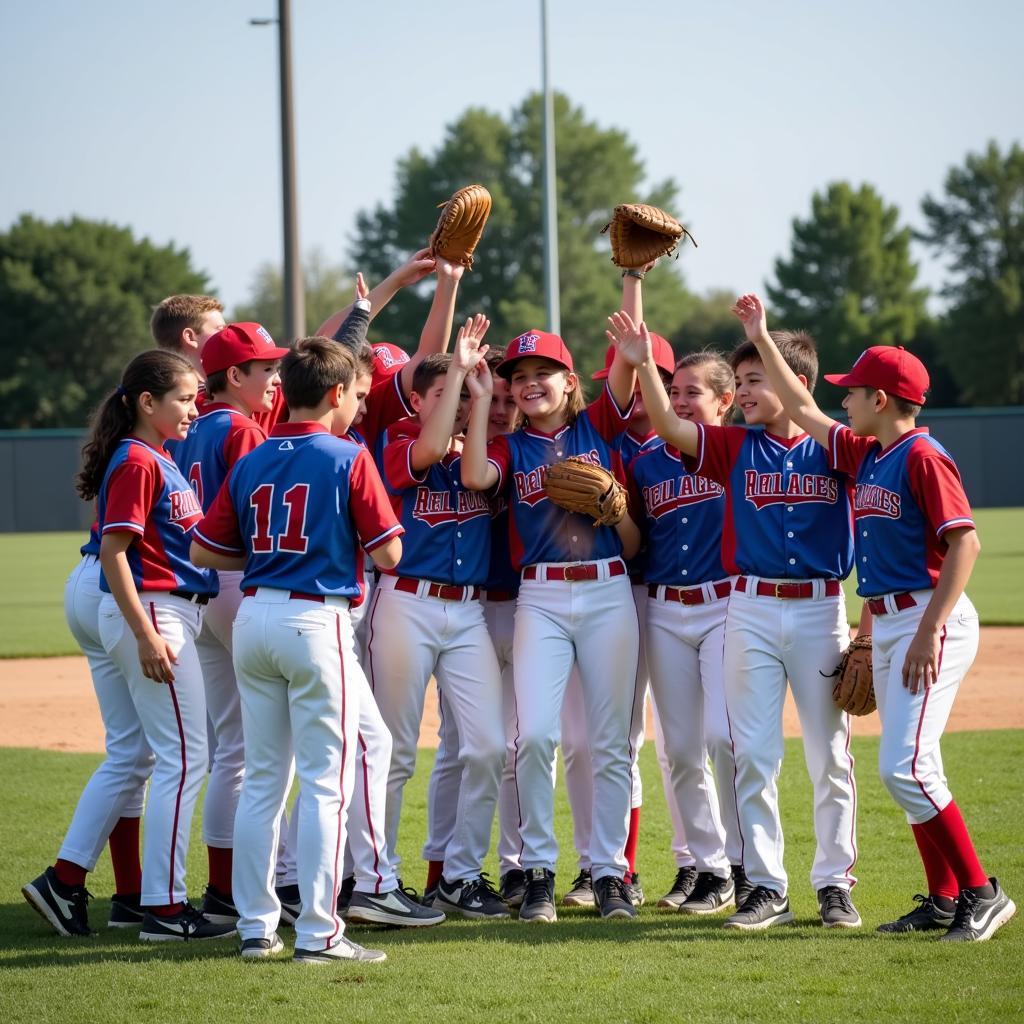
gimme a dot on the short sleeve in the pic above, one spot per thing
(605, 415)
(938, 489)
(846, 451)
(369, 504)
(396, 462)
(130, 490)
(499, 455)
(717, 449)
(385, 404)
(242, 440)
(218, 530)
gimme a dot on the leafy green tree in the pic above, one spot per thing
(979, 225)
(849, 278)
(596, 169)
(75, 301)
(709, 324)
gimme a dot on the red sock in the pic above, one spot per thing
(949, 834)
(434, 869)
(124, 856)
(70, 874)
(633, 838)
(941, 880)
(219, 861)
(167, 910)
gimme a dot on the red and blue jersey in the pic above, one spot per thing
(539, 530)
(385, 404)
(683, 516)
(629, 446)
(299, 508)
(92, 545)
(501, 574)
(907, 497)
(448, 528)
(143, 492)
(787, 510)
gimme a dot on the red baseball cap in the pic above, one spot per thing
(664, 357)
(889, 368)
(535, 343)
(237, 344)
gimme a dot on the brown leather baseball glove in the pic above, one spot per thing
(854, 690)
(642, 233)
(461, 225)
(580, 486)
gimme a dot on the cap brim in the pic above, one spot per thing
(504, 369)
(600, 375)
(844, 380)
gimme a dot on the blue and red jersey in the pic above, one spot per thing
(787, 510)
(143, 492)
(501, 574)
(448, 527)
(540, 531)
(92, 545)
(385, 404)
(907, 497)
(629, 446)
(299, 508)
(683, 517)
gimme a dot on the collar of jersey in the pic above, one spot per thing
(161, 452)
(298, 429)
(219, 407)
(543, 435)
(786, 442)
(908, 436)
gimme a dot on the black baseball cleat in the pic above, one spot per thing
(218, 907)
(763, 908)
(348, 886)
(836, 908)
(125, 910)
(978, 919)
(184, 926)
(927, 916)
(539, 899)
(611, 896)
(582, 892)
(428, 895)
(260, 949)
(513, 887)
(65, 907)
(342, 950)
(291, 904)
(471, 897)
(686, 879)
(710, 895)
(634, 888)
(399, 907)
(741, 884)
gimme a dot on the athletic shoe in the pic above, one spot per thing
(65, 907)
(611, 895)
(428, 895)
(348, 886)
(763, 908)
(741, 884)
(183, 926)
(710, 895)
(836, 908)
(400, 907)
(471, 897)
(125, 910)
(635, 889)
(927, 916)
(291, 904)
(260, 949)
(539, 899)
(217, 907)
(582, 892)
(978, 919)
(343, 949)
(513, 887)
(686, 879)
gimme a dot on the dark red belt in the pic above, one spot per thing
(789, 591)
(877, 605)
(500, 595)
(688, 595)
(574, 573)
(444, 591)
(293, 594)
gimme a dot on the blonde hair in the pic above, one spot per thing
(178, 313)
(575, 403)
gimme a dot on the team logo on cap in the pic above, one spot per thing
(263, 333)
(526, 343)
(387, 357)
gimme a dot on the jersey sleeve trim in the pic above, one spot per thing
(397, 378)
(624, 414)
(395, 531)
(958, 523)
(698, 459)
(212, 545)
(501, 475)
(125, 527)
(833, 454)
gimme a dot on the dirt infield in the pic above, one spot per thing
(49, 703)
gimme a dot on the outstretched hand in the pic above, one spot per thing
(469, 350)
(361, 290)
(415, 268)
(749, 309)
(449, 270)
(631, 341)
(479, 381)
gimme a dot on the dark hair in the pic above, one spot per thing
(312, 367)
(217, 381)
(796, 347)
(427, 371)
(906, 408)
(495, 357)
(157, 372)
(718, 374)
(178, 312)
(363, 355)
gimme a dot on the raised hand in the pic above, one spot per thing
(749, 309)
(415, 268)
(631, 341)
(361, 290)
(447, 269)
(468, 348)
(479, 381)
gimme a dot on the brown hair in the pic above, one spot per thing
(797, 348)
(495, 356)
(312, 367)
(155, 371)
(178, 313)
(575, 403)
(363, 355)
(718, 374)
(217, 382)
(428, 370)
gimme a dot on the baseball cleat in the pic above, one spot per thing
(741, 884)
(686, 879)
(539, 899)
(125, 910)
(634, 888)
(762, 909)
(470, 897)
(513, 887)
(582, 892)
(291, 904)
(927, 916)
(63, 906)
(710, 895)
(187, 924)
(260, 949)
(399, 907)
(836, 908)
(428, 895)
(342, 950)
(218, 907)
(977, 918)
(611, 896)
(348, 886)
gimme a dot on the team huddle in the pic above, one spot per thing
(290, 542)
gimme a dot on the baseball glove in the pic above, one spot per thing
(580, 486)
(641, 233)
(461, 225)
(854, 691)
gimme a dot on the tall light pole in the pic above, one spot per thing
(550, 217)
(294, 293)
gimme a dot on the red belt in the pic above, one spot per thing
(902, 601)
(499, 595)
(293, 594)
(789, 591)
(444, 591)
(575, 573)
(688, 595)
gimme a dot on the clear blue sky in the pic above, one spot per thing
(164, 117)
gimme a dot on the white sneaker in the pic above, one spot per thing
(343, 949)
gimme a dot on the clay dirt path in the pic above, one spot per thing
(49, 702)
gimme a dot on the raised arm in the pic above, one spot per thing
(477, 473)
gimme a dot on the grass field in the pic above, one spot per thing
(35, 566)
(660, 967)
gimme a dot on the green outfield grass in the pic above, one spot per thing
(660, 967)
(35, 566)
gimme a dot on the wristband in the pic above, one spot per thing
(633, 273)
